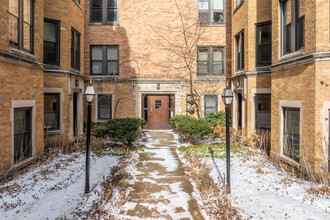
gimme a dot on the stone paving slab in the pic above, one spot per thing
(161, 191)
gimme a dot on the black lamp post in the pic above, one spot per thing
(227, 97)
(89, 94)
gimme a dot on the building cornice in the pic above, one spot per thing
(13, 58)
(56, 72)
(301, 60)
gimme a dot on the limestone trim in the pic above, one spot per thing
(23, 104)
(20, 60)
(325, 117)
(299, 58)
(177, 89)
(97, 107)
(289, 104)
(253, 94)
(61, 92)
(235, 104)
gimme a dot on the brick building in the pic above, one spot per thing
(41, 86)
(280, 76)
(146, 59)
(133, 54)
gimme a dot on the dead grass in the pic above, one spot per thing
(319, 191)
(118, 180)
(215, 201)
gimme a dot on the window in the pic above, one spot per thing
(158, 104)
(75, 50)
(263, 115)
(78, 1)
(293, 25)
(239, 51)
(21, 24)
(104, 60)
(22, 134)
(291, 137)
(105, 11)
(264, 46)
(104, 107)
(210, 104)
(238, 2)
(51, 42)
(211, 12)
(52, 111)
(210, 61)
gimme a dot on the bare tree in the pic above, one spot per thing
(181, 39)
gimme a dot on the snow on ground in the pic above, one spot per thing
(264, 192)
(53, 189)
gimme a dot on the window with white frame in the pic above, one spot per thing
(210, 104)
(211, 12)
(104, 11)
(104, 106)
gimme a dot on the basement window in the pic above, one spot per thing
(210, 104)
(104, 107)
(52, 111)
(263, 112)
(291, 136)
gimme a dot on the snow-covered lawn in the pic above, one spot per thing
(261, 191)
(55, 189)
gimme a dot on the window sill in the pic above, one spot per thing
(289, 161)
(213, 25)
(103, 23)
(239, 72)
(54, 132)
(52, 67)
(238, 6)
(291, 56)
(22, 53)
(75, 71)
(103, 120)
(211, 77)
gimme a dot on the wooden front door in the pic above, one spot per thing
(158, 112)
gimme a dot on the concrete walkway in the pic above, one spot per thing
(161, 190)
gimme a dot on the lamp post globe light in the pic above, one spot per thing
(89, 94)
(227, 97)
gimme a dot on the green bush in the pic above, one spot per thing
(124, 130)
(216, 118)
(191, 129)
